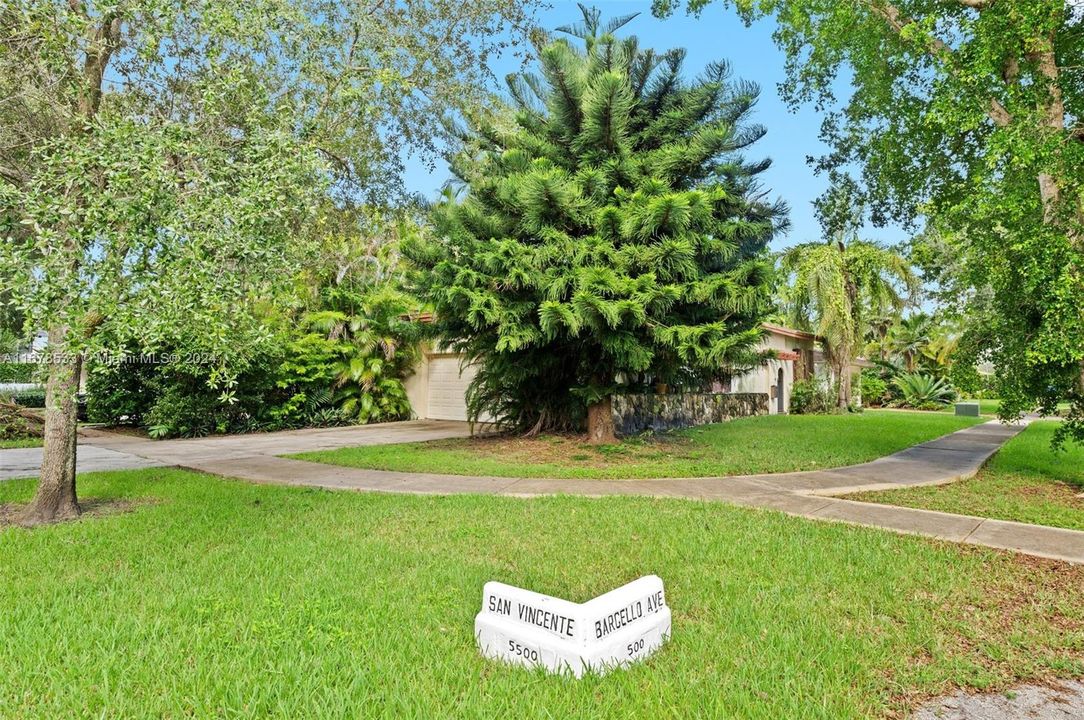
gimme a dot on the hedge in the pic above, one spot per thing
(13, 372)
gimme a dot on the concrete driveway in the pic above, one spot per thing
(100, 450)
(25, 462)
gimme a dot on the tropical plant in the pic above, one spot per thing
(353, 304)
(923, 391)
(939, 354)
(813, 397)
(611, 236)
(375, 349)
(833, 288)
(909, 337)
(874, 389)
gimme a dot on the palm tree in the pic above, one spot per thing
(835, 288)
(877, 333)
(909, 337)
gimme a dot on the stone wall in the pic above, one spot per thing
(635, 413)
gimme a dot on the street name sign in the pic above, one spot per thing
(536, 630)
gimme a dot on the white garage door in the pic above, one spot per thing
(448, 389)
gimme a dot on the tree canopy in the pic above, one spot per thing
(163, 162)
(965, 113)
(612, 235)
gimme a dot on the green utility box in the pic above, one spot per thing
(967, 409)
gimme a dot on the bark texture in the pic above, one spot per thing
(600, 423)
(55, 498)
(845, 379)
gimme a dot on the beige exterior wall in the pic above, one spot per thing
(765, 378)
(417, 385)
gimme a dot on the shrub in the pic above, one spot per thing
(28, 398)
(922, 391)
(186, 407)
(305, 376)
(13, 372)
(331, 368)
(120, 394)
(873, 388)
(811, 397)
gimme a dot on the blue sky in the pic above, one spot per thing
(717, 34)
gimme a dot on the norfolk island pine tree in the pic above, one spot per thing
(611, 237)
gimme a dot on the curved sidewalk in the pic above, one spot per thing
(956, 456)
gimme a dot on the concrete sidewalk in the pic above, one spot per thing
(806, 494)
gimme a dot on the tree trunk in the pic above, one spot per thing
(844, 375)
(600, 423)
(1080, 380)
(55, 498)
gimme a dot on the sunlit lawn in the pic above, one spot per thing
(216, 598)
(1025, 481)
(990, 406)
(766, 444)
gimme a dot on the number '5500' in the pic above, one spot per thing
(522, 651)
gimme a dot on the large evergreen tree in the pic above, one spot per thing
(611, 236)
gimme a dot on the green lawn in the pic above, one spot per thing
(990, 406)
(20, 443)
(1026, 481)
(766, 444)
(224, 599)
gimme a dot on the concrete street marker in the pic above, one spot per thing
(535, 630)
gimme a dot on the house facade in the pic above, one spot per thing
(437, 388)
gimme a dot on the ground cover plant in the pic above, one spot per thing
(766, 444)
(20, 443)
(196, 596)
(1025, 481)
